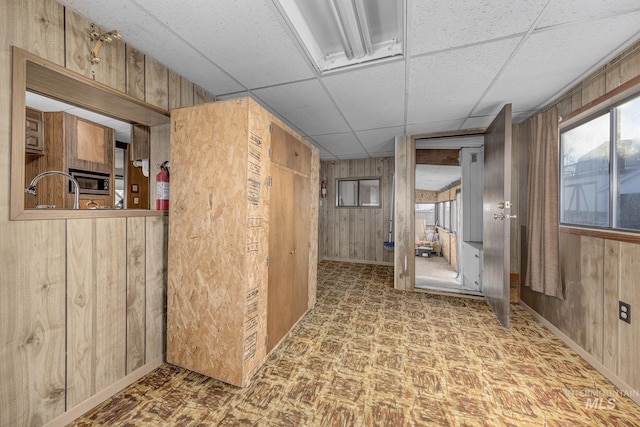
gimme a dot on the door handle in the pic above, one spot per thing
(501, 216)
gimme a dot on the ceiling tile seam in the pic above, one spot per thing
(359, 130)
(468, 45)
(586, 20)
(201, 54)
(508, 61)
(335, 104)
(270, 86)
(605, 60)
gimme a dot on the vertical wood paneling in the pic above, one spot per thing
(199, 95)
(33, 25)
(111, 68)
(159, 150)
(404, 234)
(610, 345)
(111, 301)
(593, 89)
(135, 73)
(174, 90)
(186, 93)
(80, 310)
(96, 306)
(629, 334)
(157, 233)
(156, 83)
(136, 292)
(32, 329)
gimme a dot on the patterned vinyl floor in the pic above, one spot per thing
(368, 355)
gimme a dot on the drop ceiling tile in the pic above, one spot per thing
(481, 122)
(564, 11)
(435, 127)
(543, 67)
(306, 105)
(341, 144)
(443, 24)
(246, 39)
(370, 97)
(380, 142)
(447, 85)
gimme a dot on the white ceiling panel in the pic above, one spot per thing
(564, 11)
(466, 59)
(244, 38)
(436, 177)
(447, 85)
(380, 142)
(545, 64)
(371, 97)
(434, 127)
(341, 145)
(307, 105)
(443, 24)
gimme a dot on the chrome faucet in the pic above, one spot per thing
(76, 187)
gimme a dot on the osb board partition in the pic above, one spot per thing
(207, 280)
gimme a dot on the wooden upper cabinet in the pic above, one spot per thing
(34, 137)
(140, 137)
(288, 151)
(89, 146)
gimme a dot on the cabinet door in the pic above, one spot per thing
(281, 247)
(90, 146)
(287, 151)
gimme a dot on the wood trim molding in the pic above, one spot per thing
(614, 96)
(603, 234)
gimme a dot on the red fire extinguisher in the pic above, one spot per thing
(323, 189)
(162, 187)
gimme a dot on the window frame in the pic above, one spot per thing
(613, 98)
(359, 204)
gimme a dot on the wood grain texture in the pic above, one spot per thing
(156, 77)
(135, 62)
(32, 322)
(96, 306)
(446, 157)
(111, 68)
(404, 228)
(159, 152)
(355, 234)
(156, 242)
(136, 293)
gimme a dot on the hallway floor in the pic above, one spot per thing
(434, 273)
(370, 355)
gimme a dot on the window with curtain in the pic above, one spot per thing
(600, 170)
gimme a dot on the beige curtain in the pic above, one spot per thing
(543, 261)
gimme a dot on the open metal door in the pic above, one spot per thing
(496, 215)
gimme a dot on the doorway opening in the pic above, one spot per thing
(448, 215)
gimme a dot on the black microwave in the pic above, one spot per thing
(90, 182)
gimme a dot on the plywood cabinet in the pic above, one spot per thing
(225, 218)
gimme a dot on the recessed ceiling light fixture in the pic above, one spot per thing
(341, 33)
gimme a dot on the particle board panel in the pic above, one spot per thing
(32, 322)
(208, 225)
(156, 242)
(289, 151)
(136, 292)
(135, 72)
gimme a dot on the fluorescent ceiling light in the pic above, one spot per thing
(341, 33)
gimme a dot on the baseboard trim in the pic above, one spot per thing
(617, 381)
(80, 409)
(358, 261)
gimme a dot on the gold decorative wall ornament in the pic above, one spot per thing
(100, 39)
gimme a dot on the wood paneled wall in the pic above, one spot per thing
(92, 288)
(597, 272)
(355, 234)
